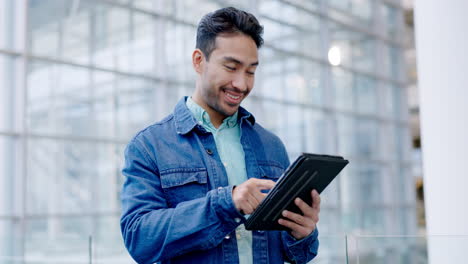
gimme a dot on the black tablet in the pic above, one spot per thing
(307, 172)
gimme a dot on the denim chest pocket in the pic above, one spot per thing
(184, 184)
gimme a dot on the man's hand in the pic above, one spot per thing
(248, 195)
(302, 225)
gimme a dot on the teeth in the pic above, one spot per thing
(233, 97)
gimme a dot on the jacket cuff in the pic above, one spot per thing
(303, 250)
(226, 209)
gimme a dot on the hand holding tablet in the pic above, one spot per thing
(308, 172)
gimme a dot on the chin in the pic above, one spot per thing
(230, 110)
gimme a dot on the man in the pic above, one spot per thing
(192, 178)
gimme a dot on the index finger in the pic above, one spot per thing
(264, 184)
(315, 199)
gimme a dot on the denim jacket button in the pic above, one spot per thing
(237, 219)
(227, 237)
(209, 151)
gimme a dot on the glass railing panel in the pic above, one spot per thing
(387, 249)
(332, 250)
(110, 249)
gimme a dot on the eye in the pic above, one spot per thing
(250, 73)
(230, 68)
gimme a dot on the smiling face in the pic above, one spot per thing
(227, 77)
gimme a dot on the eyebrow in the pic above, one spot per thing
(236, 61)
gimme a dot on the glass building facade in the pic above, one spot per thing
(78, 78)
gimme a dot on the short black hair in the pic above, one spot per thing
(226, 20)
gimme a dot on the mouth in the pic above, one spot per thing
(233, 98)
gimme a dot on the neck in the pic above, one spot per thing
(216, 118)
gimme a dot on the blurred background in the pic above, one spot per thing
(78, 78)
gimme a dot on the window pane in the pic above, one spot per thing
(72, 177)
(288, 78)
(375, 220)
(58, 240)
(318, 138)
(372, 184)
(59, 99)
(352, 11)
(391, 20)
(11, 25)
(64, 33)
(69, 100)
(108, 245)
(124, 40)
(269, 82)
(291, 28)
(392, 62)
(164, 7)
(9, 176)
(193, 10)
(366, 95)
(346, 135)
(389, 142)
(403, 139)
(357, 50)
(342, 83)
(292, 130)
(10, 241)
(9, 84)
(367, 139)
(179, 42)
(358, 137)
(272, 117)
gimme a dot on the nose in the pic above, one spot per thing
(240, 82)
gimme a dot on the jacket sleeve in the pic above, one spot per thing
(300, 251)
(152, 231)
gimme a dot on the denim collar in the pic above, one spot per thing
(203, 118)
(186, 122)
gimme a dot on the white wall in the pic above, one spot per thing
(441, 44)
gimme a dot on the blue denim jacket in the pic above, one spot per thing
(176, 203)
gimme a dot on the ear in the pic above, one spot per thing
(198, 60)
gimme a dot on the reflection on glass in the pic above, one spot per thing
(334, 56)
